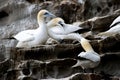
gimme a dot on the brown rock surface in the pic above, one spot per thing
(53, 62)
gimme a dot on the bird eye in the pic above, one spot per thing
(60, 22)
(45, 13)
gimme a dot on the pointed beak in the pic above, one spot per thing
(51, 15)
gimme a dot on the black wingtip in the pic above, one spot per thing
(115, 24)
(9, 38)
(82, 30)
(80, 58)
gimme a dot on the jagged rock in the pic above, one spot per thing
(47, 60)
(107, 44)
(46, 52)
(91, 76)
(55, 65)
(56, 68)
(2, 54)
(12, 75)
(53, 68)
(68, 8)
(59, 68)
(97, 24)
(5, 66)
(110, 44)
(86, 76)
(71, 11)
(109, 64)
(29, 78)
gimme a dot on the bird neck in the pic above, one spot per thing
(41, 23)
(73, 36)
(40, 20)
(50, 25)
(86, 45)
(51, 34)
(55, 36)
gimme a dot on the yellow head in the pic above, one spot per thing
(43, 14)
(56, 22)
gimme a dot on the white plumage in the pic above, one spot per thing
(92, 55)
(115, 28)
(86, 64)
(115, 21)
(30, 38)
(92, 58)
(68, 28)
(58, 30)
(25, 35)
(59, 27)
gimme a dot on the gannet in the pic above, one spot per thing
(30, 38)
(116, 21)
(92, 59)
(58, 30)
(57, 25)
(115, 28)
(90, 54)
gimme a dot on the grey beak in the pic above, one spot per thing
(52, 15)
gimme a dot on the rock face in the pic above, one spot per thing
(55, 61)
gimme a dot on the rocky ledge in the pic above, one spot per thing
(55, 61)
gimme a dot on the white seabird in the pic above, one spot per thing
(57, 25)
(90, 54)
(58, 30)
(30, 38)
(116, 21)
(92, 59)
(115, 28)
